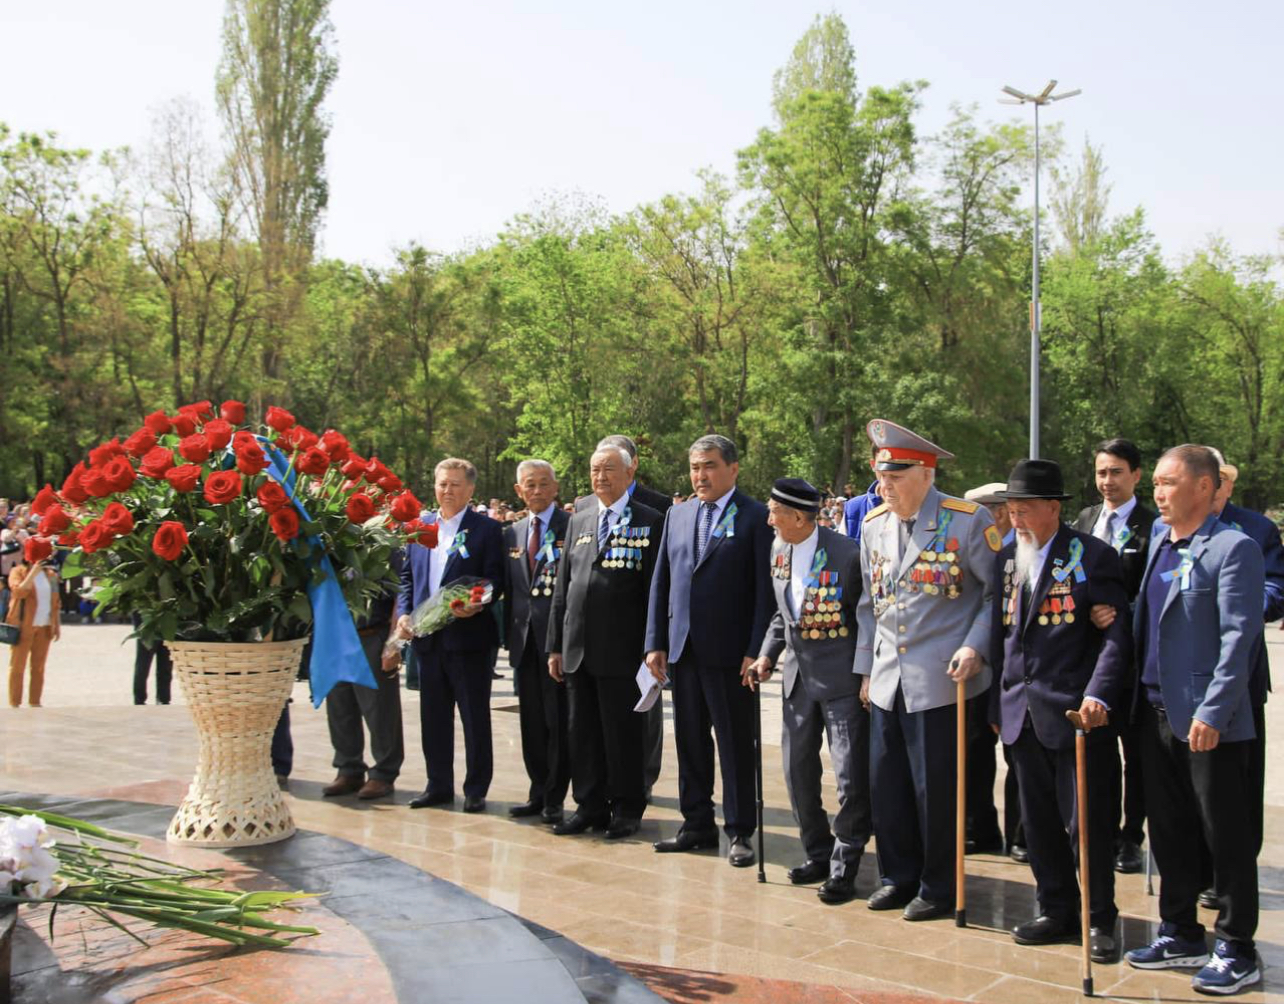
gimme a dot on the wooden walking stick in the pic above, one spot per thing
(757, 750)
(1081, 812)
(960, 798)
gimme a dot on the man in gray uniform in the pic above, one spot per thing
(922, 621)
(812, 637)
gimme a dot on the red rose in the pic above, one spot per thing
(285, 523)
(95, 483)
(199, 410)
(36, 549)
(140, 442)
(194, 448)
(119, 474)
(335, 445)
(222, 487)
(102, 453)
(376, 470)
(250, 458)
(422, 533)
(360, 508)
(272, 496)
(184, 478)
(157, 423)
(45, 499)
(304, 438)
(170, 539)
(184, 423)
(69, 539)
(156, 462)
(54, 521)
(217, 433)
(95, 537)
(241, 437)
(72, 490)
(311, 461)
(278, 418)
(117, 519)
(233, 412)
(354, 468)
(405, 507)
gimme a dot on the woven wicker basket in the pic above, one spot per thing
(235, 693)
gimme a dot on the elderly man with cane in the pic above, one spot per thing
(812, 637)
(1048, 658)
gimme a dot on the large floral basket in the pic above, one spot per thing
(235, 693)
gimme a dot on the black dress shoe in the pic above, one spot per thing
(838, 889)
(578, 823)
(432, 798)
(1128, 860)
(1019, 854)
(741, 854)
(1104, 946)
(890, 897)
(812, 871)
(526, 809)
(622, 827)
(1045, 930)
(926, 909)
(688, 840)
(551, 814)
(984, 845)
(1209, 901)
(474, 803)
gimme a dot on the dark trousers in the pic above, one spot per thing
(709, 702)
(283, 744)
(347, 705)
(1257, 774)
(606, 742)
(653, 742)
(142, 667)
(1192, 793)
(1128, 785)
(447, 679)
(1047, 781)
(844, 723)
(982, 816)
(913, 766)
(541, 705)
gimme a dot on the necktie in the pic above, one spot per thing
(702, 529)
(1108, 531)
(905, 532)
(532, 549)
(604, 530)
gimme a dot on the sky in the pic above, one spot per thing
(450, 118)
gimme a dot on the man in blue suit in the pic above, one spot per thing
(1197, 623)
(711, 602)
(455, 662)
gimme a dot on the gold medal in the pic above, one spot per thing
(1056, 618)
(1069, 618)
(1043, 619)
(842, 632)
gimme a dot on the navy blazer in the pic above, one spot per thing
(716, 611)
(1048, 669)
(1267, 536)
(485, 546)
(1208, 631)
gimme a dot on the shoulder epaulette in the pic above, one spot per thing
(878, 510)
(960, 505)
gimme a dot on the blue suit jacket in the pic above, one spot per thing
(716, 611)
(1267, 536)
(855, 510)
(1208, 631)
(485, 560)
(1047, 669)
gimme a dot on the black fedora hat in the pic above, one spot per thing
(1035, 479)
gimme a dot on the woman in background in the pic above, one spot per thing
(34, 610)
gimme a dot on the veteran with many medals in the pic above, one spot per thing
(812, 638)
(923, 622)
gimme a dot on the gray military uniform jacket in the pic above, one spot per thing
(917, 610)
(818, 644)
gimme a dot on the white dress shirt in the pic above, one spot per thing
(800, 560)
(617, 512)
(446, 530)
(545, 521)
(43, 594)
(1121, 520)
(1036, 569)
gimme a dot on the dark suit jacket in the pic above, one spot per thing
(1267, 536)
(485, 560)
(1049, 669)
(649, 497)
(1136, 548)
(598, 616)
(826, 665)
(718, 610)
(528, 611)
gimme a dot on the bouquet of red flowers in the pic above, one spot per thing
(210, 530)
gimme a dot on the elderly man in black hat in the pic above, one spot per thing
(812, 638)
(1049, 658)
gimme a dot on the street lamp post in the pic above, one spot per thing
(1045, 97)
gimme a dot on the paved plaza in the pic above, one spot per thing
(688, 925)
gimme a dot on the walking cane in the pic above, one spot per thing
(1081, 807)
(960, 822)
(757, 751)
